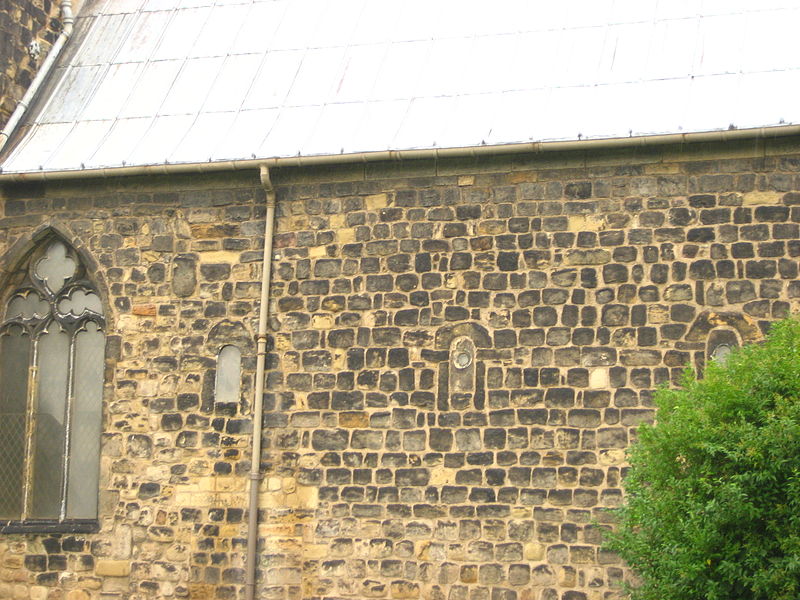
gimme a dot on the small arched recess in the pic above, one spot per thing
(228, 382)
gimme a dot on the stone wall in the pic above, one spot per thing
(22, 22)
(179, 264)
(574, 284)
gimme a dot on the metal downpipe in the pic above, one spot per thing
(41, 74)
(258, 401)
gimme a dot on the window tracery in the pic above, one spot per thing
(52, 346)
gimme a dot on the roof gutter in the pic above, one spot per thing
(66, 31)
(730, 135)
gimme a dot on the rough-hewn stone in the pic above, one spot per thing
(579, 287)
(27, 30)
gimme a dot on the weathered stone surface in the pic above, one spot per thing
(581, 289)
(25, 22)
(184, 276)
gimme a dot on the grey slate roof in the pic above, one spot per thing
(145, 82)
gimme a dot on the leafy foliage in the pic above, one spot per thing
(713, 494)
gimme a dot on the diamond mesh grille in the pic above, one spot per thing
(48, 467)
(12, 457)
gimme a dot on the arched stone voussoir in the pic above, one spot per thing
(230, 332)
(474, 331)
(708, 320)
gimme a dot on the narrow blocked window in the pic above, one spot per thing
(462, 373)
(52, 347)
(721, 342)
(229, 369)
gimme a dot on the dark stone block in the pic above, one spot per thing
(647, 336)
(726, 269)
(788, 269)
(493, 438)
(412, 477)
(760, 269)
(495, 281)
(441, 440)
(398, 357)
(508, 261)
(785, 231)
(379, 283)
(578, 190)
(519, 224)
(184, 277)
(715, 216)
(149, 490)
(771, 249)
(659, 273)
(329, 439)
(680, 217)
(673, 331)
(742, 216)
(466, 212)
(614, 315)
(386, 336)
(757, 308)
(682, 312)
(398, 263)
(505, 338)
(702, 269)
(625, 254)
(521, 318)
(35, 562)
(559, 397)
(171, 422)
(581, 457)
(742, 250)
(339, 338)
(544, 316)
(771, 214)
(615, 273)
(350, 400)
(702, 201)
(701, 234)
(756, 233)
(555, 296)
(598, 356)
(407, 318)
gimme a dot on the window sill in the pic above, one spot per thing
(50, 526)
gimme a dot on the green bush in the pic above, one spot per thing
(712, 507)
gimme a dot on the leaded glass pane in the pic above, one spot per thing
(79, 301)
(49, 432)
(14, 357)
(27, 306)
(15, 346)
(229, 366)
(55, 267)
(84, 454)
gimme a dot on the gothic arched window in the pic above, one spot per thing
(52, 347)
